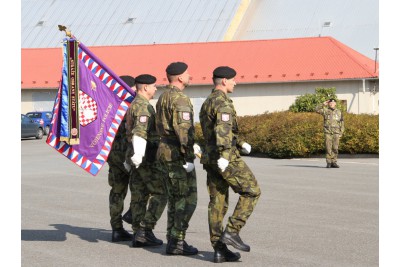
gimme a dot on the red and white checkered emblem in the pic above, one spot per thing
(186, 116)
(87, 109)
(143, 119)
(225, 117)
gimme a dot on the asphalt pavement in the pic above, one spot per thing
(307, 215)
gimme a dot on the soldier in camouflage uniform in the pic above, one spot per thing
(175, 126)
(118, 177)
(225, 168)
(333, 130)
(147, 184)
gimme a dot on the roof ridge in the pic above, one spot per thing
(341, 46)
(188, 43)
(212, 42)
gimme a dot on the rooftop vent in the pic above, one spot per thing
(130, 20)
(40, 23)
(327, 24)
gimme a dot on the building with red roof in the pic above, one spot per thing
(270, 73)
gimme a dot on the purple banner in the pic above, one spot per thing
(103, 101)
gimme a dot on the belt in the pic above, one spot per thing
(170, 141)
(213, 144)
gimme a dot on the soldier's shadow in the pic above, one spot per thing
(60, 234)
(202, 255)
(305, 166)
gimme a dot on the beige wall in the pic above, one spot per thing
(37, 100)
(253, 99)
(250, 99)
(258, 98)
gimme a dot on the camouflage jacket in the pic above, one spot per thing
(175, 126)
(333, 119)
(141, 122)
(119, 146)
(220, 128)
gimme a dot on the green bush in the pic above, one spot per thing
(308, 102)
(289, 134)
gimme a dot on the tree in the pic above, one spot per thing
(308, 102)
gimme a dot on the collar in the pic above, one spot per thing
(140, 97)
(219, 92)
(173, 88)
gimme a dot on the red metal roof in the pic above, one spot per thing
(256, 61)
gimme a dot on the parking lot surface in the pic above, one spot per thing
(307, 215)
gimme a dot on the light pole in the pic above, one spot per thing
(376, 55)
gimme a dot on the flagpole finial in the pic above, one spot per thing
(64, 28)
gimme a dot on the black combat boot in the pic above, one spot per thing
(223, 254)
(328, 165)
(121, 235)
(180, 247)
(334, 165)
(234, 240)
(127, 217)
(147, 238)
(136, 244)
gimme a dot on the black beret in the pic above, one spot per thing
(129, 80)
(176, 68)
(224, 72)
(331, 100)
(146, 79)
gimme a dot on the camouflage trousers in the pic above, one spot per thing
(148, 195)
(240, 178)
(182, 199)
(332, 147)
(118, 179)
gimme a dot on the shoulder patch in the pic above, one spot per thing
(225, 117)
(143, 119)
(186, 116)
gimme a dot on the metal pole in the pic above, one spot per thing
(376, 56)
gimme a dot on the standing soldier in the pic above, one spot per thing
(176, 129)
(333, 129)
(118, 177)
(147, 184)
(225, 168)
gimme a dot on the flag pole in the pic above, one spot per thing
(70, 122)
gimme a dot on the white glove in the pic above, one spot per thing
(127, 166)
(139, 146)
(188, 167)
(222, 164)
(197, 150)
(246, 148)
(137, 160)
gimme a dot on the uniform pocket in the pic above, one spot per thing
(178, 179)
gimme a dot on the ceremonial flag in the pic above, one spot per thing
(90, 105)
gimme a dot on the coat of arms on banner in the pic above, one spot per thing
(87, 109)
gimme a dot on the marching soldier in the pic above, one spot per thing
(147, 184)
(225, 168)
(333, 130)
(118, 177)
(176, 129)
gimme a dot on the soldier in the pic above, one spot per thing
(147, 184)
(333, 130)
(225, 168)
(118, 177)
(176, 129)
